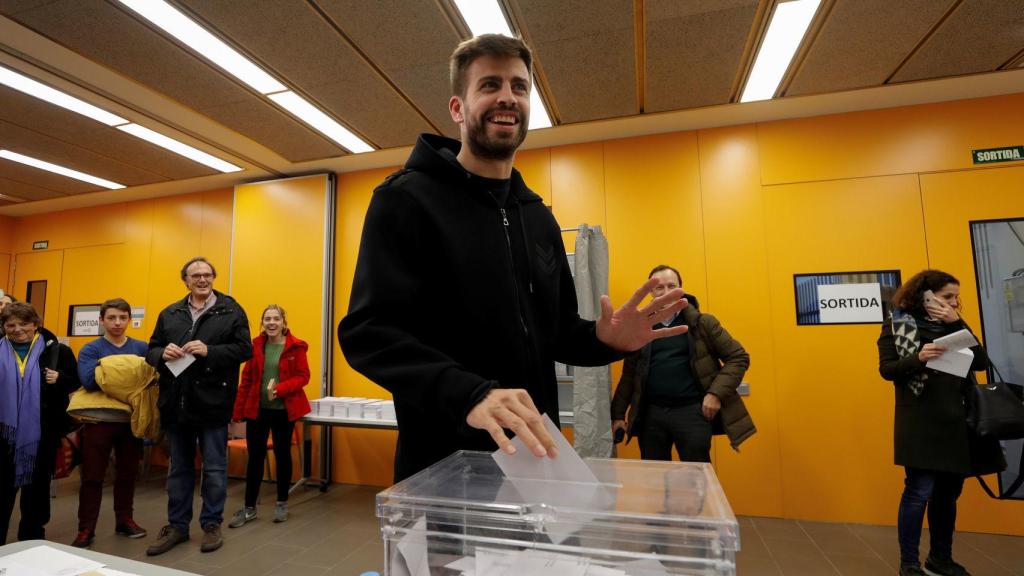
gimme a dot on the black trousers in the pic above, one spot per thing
(256, 432)
(35, 496)
(684, 426)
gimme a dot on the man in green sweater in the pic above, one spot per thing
(682, 389)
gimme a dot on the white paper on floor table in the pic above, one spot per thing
(642, 519)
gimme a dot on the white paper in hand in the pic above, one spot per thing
(568, 466)
(955, 362)
(565, 481)
(178, 365)
(957, 340)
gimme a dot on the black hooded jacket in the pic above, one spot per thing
(53, 398)
(454, 295)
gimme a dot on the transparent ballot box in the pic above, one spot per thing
(463, 516)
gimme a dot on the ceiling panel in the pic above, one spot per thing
(108, 35)
(863, 41)
(10, 7)
(322, 65)
(43, 180)
(980, 36)
(694, 48)
(408, 41)
(61, 124)
(43, 147)
(23, 190)
(587, 51)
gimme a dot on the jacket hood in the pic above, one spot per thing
(437, 155)
(46, 335)
(290, 342)
(692, 300)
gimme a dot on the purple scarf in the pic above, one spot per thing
(19, 408)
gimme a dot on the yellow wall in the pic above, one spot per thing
(278, 257)
(6, 248)
(739, 210)
(361, 456)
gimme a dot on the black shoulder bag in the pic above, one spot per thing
(996, 412)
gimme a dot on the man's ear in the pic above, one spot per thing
(455, 109)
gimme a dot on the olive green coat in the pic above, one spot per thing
(718, 362)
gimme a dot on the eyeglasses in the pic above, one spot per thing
(201, 276)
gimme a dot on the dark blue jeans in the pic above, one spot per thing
(938, 492)
(181, 479)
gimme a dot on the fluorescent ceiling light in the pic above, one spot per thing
(179, 148)
(785, 32)
(483, 17)
(321, 122)
(43, 92)
(56, 97)
(538, 112)
(209, 46)
(194, 36)
(42, 165)
(486, 17)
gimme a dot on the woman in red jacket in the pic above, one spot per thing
(270, 399)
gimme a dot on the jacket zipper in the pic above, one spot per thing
(192, 332)
(512, 266)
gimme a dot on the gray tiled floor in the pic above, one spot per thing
(337, 534)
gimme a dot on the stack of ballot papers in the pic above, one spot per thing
(958, 357)
(49, 561)
(354, 408)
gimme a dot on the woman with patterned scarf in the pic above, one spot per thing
(36, 375)
(933, 442)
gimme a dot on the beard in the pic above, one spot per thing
(497, 148)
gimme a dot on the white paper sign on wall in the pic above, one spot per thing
(85, 321)
(850, 303)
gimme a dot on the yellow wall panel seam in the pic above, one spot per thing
(924, 221)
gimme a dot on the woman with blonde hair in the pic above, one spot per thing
(270, 399)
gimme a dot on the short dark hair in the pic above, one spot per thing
(910, 296)
(117, 304)
(21, 311)
(184, 269)
(484, 45)
(662, 267)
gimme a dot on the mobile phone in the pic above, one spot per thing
(929, 297)
(620, 434)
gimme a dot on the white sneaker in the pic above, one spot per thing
(281, 512)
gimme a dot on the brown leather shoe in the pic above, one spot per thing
(212, 539)
(169, 538)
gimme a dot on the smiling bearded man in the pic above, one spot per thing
(462, 298)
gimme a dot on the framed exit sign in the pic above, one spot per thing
(1005, 154)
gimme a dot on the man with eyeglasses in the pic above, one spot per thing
(198, 345)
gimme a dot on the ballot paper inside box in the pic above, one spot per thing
(642, 518)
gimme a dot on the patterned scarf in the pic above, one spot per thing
(908, 343)
(20, 425)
